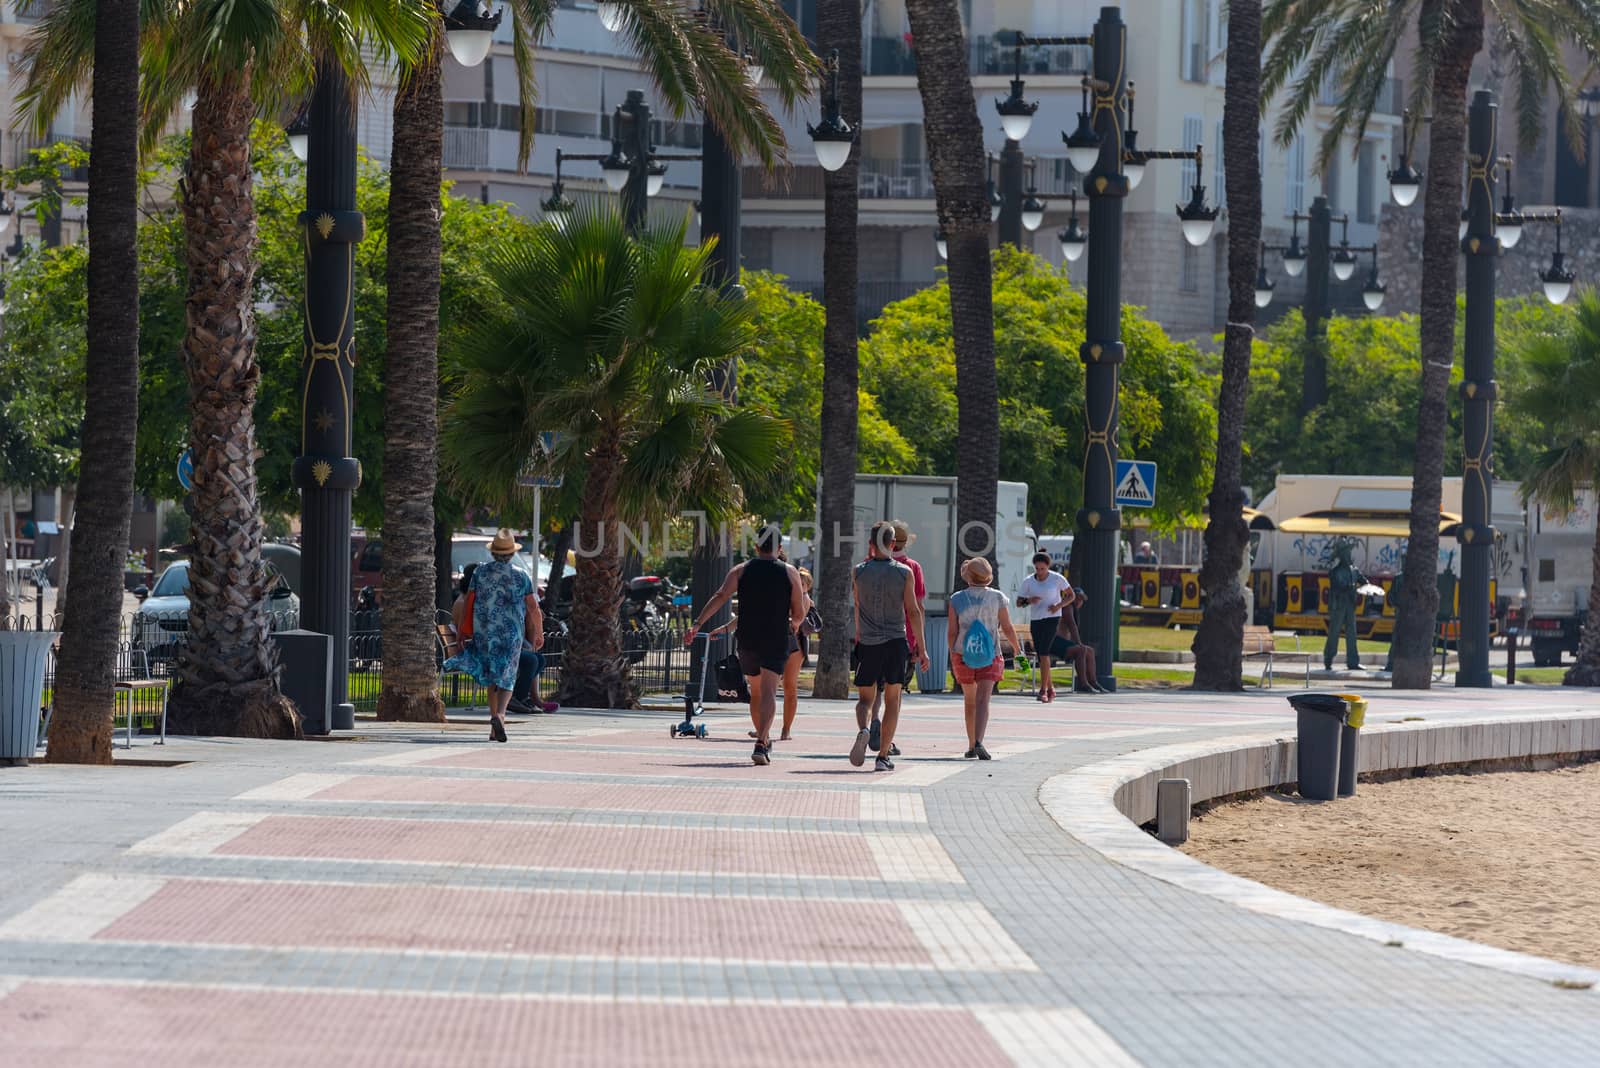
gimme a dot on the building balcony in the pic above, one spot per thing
(872, 295)
(895, 56)
(1391, 98)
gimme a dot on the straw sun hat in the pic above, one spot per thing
(503, 543)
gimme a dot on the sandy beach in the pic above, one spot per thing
(1506, 858)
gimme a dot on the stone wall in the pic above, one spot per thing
(1400, 254)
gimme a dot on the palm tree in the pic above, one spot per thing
(1351, 43)
(691, 65)
(956, 152)
(1563, 393)
(1218, 645)
(611, 339)
(80, 728)
(839, 32)
(237, 57)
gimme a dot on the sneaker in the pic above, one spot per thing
(549, 706)
(520, 707)
(858, 751)
(876, 735)
(894, 749)
(983, 754)
(883, 763)
(970, 753)
(761, 756)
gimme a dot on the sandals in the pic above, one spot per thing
(497, 730)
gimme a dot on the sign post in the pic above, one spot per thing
(548, 442)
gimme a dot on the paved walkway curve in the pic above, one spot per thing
(595, 893)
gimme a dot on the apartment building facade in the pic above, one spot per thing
(1175, 62)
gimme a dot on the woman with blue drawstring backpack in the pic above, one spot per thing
(978, 618)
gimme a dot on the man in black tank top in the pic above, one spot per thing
(771, 607)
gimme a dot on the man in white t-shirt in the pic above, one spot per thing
(1042, 594)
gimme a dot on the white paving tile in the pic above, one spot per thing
(294, 788)
(892, 806)
(200, 834)
(82, 908)
(913, 858)
(964, 936)
(1053, 1038)
(405, 758)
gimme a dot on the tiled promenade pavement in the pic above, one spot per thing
(595, 893)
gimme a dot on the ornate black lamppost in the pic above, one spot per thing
(1322, 259)
(325, 472)
(1100, 520)
(1485, 233)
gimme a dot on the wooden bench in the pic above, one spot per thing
(1261, 644)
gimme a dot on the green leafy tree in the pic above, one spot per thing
(908, 363)
(1350, 43)
(609, 339)
(468, 228)
(783, 373)
(1561, 390)
(1374, 386)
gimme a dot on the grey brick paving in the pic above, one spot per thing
(1173, 976)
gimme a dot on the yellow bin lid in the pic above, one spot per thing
(1358, 709)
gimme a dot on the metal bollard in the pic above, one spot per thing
(1172, 811)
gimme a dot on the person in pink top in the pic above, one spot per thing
(902, 538)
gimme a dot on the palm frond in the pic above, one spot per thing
(531, 22)
(609, 338)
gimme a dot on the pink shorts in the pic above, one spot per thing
(966, 676)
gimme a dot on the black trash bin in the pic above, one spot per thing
(306, 675)
(1319, 725)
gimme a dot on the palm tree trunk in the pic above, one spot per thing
(80, 726)
(1218, 644)
(1585, 671)
(594, 673)
(227, 671)
(955, 150)
(1441, 249)
(839, 27)
(411, 370)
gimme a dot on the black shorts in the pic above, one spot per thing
(1061, 647)
(1043, 632)
(883, 665)
(756, 659)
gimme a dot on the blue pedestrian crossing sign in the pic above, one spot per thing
(1136, 484)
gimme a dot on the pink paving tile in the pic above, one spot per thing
(610, 797)
(48, 1025)
(518, 921)
(507, 843)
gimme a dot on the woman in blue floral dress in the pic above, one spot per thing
(505, 613)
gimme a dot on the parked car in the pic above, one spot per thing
(366, 564)
(162, 622)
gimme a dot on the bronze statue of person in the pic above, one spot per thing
(1343, 578)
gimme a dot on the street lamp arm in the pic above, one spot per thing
(1529, 216)
(1145, 155)
(671, 156)
(1025, 40)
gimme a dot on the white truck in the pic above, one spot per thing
(928, 506)
(1560, 568)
